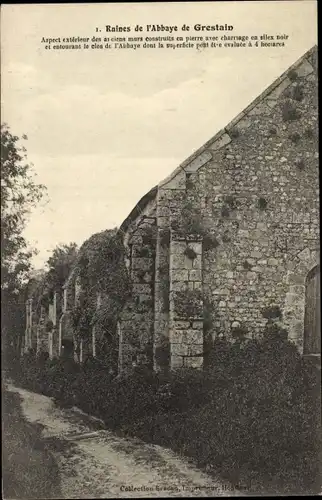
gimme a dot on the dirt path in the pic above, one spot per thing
(95, 463)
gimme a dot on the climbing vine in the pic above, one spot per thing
(101, 271)
(189, 303)
(190, 222)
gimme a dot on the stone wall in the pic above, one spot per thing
(254, 190)
(137, 318)
(186, 301)
(231, 232)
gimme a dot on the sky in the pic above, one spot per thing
(104, 127)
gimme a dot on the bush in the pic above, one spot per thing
(253, 414)
(289, 112)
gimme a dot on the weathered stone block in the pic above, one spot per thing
(197, 285)
(195, 362)
(178, 286)
(256, 254)
(275, 94)
(194, 337)
(180, 325)
(197, 325)
(260, 109)
(197, 262)
(179, 261)
(176, 180)
(178, 349)
(198, 162)
(220, 142)
(176, 361)
(177, 247)
(179, 275)
(195, 275)
(304, 69)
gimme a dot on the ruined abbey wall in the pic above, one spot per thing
(232, 232)
(254, 192)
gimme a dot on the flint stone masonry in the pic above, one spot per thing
(246, 190)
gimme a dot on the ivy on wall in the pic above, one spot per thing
(101, 271)
(188, 304)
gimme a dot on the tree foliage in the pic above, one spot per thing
(60, 265)
(43, 285)
(19, 194)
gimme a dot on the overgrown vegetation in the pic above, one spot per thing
(189, 221)
(190, 253)
(209, 242)
(164, 237)
(289, 112)
(246, 265)
(20, 193)
(298, 93)
(188, 304)
(252, 416)
(292, 74)
(262, 203)
(300, 163)
(295, 137)
(234, 133)
(225, 211)
(101, 272)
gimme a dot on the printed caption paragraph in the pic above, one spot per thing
(164, 37)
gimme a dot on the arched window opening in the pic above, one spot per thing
(312, 320)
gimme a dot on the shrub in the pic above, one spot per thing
(190, 220)
(292, 74)
(262, 203)
(225, 211)
(148, 234)
(272, 312)
(289, 112)
(298, 94)
(253, 415)
(188, 303)
(209, 242)
(164, 237)
(190, 253)
(309, 133)
(300, 164)
(143, 251)
(230, 202)
(239, 332)
(295, 137)
(234, 132)
(189, 182)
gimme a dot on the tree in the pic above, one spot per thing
(19, 194)
(59, 267)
